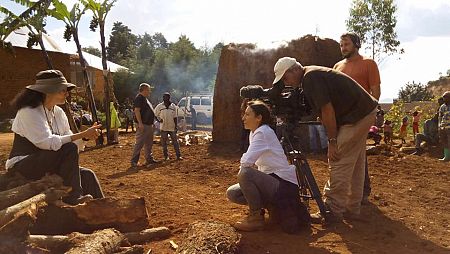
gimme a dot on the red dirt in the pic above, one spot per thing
(409, 210)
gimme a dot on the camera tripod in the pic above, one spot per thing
(307, 185)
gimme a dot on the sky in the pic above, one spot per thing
(423, 28)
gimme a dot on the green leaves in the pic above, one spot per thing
(375, 21)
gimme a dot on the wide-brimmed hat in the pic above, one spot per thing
(51, 81)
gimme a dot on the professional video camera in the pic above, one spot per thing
(285, 101)
(290, 105)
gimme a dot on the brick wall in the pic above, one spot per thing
(19, 70)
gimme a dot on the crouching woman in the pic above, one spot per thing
(265, 178)
(43, 142)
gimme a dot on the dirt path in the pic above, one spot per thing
(409, 211)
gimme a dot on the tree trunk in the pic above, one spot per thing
(102, 242)
(129, 215)
(90, 95)
(107, 86)
(11, 180)
(21, 193)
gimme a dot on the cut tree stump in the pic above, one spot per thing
(210, 238)
(125, 215)
(20, 193)
(100, 242)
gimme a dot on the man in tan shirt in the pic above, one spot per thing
(364, 71)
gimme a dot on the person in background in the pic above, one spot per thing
(373, 134)
(364, 71)
(114, 123)
(379, 118)
(403, 130)
(144, 117)
(167, 114)
(387, 131)
(444, 125)
(43, 142)
(430, 134)
(415, 124)
(193, 117)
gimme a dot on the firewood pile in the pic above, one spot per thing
(33, 219)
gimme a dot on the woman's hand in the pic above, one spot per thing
(92, 132)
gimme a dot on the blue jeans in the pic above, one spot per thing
(255, 189)
(173, 137)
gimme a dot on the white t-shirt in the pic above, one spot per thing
(266, 153)
(46, 129)
(166, 115)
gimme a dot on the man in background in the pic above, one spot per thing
(364, 71)
(167, 113)
(145, 116)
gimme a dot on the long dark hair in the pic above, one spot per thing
(261, 109)
(28, 98)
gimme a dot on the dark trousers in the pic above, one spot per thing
(64, 163)
(367, 189)
(129, 122)
(173, 137)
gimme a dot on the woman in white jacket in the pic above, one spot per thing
(264, 167)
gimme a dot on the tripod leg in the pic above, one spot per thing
(312, 186)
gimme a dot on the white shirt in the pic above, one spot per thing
(166, 115)
(266, 153)
(34, 124)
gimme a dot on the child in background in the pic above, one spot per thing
(416, 119)
(373, 134)
(387, 130)
(403, 129)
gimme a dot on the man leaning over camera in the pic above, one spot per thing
(347, 111)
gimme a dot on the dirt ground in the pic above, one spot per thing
(409, 210)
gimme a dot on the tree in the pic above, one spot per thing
(413, 91)
(121, 43)
(374, 21)
(100, 11)
(93, 51)
(72, 20)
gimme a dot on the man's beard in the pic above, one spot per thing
(348, 54)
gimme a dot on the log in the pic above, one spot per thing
(136, 249)
(125, 215)
(102, 242)
(19, 226)
(40, 200)
(20, 193)
(62, 242)
(210, 238)
(147, 235)
(10, 180)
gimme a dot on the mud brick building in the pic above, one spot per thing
(244, 64)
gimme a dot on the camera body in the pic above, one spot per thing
(286, 102)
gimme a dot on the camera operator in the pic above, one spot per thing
(347, 111)
(272, 184)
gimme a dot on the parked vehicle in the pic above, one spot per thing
(203, 105)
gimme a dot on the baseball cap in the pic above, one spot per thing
(281, 66)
